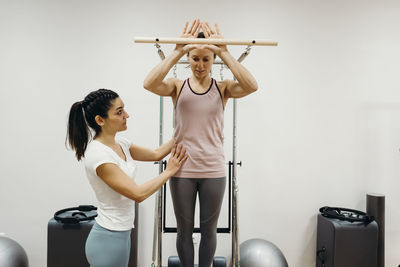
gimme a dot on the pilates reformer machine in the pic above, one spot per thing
(159, 227)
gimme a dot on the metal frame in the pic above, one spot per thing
(157, 235)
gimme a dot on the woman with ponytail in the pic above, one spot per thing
(110, 167)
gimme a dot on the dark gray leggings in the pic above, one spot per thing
(211, 193)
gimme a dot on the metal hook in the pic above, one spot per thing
(174, 71)
(221, 75)
(159, 51)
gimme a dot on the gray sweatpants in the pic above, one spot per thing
(184, 192)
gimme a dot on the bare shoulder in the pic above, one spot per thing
(173, 83)
(222, 84)
(177, 84)
(223, 87)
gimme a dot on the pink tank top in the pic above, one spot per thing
(199, 124)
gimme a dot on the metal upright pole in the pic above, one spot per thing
(154, 254)
(160, 191)
(235, 229)
(157, 235)
(235, 188)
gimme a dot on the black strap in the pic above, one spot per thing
(346, 214)
(74, 219)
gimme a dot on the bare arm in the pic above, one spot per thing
(146, 154)
(245, 84)
(115, 178)
(154, 81)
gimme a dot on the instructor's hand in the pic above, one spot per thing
(177, 158)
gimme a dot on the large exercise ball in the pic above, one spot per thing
(261, 253)
(12, 254)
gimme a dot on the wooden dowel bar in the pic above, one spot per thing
(167, 40)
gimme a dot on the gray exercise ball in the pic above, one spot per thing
(12, 254)
(261, 253)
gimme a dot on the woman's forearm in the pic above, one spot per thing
(164, 149)
(158, 73)
(149, 187)
(242, 75)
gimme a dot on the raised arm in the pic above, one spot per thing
(146, 154)
(115, 178)
(245, 84)
(154, 81)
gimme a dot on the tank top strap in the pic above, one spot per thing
(185, 82)
(217, 88)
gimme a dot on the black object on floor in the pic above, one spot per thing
(66, 239)
(218, 261)
(343, 243)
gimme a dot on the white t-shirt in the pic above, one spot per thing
(115, 211)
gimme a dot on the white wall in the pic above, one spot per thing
(323, 129)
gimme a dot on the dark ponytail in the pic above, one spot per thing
(78, 131)
(82, 116)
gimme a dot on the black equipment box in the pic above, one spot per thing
(66, 242)
(342, 243)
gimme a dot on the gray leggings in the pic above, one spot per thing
(106, 248)
(211, 193)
